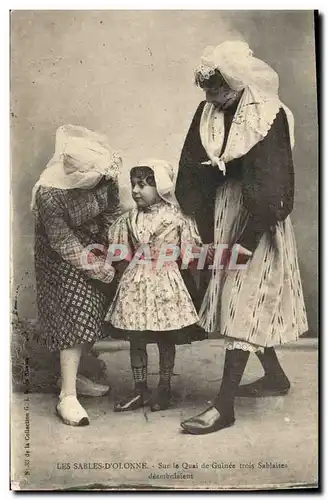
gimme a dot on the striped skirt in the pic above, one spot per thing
(261, 305)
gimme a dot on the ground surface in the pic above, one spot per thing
(277, 430)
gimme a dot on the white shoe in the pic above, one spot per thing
(86, 387)
(71, 412)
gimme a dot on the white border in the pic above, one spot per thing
(5, 175)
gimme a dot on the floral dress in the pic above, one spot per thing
(153, 300)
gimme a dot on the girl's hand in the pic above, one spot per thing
(210, 253)
(243, 254)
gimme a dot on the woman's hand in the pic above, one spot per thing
(101, 270)
(106, 273)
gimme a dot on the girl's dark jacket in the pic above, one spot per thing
(266, 173)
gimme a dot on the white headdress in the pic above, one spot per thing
(235, 62)
(257, 107)
(164, 178)
(81, 159)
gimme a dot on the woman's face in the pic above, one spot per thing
(221, 98)
(219, 93)
(144, 194)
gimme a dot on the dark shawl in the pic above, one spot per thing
(266, 173)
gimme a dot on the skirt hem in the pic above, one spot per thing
(186, 335)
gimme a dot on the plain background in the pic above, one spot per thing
(129, 74)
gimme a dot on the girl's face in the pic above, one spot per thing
(144, 194)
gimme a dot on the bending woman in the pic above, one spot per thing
(74, 201)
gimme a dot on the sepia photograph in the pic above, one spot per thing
(164, 250)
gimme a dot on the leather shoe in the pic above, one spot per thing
(264, 387)
(133, 402)
(161, 399)
(206, 422)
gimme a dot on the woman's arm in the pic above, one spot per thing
(188, 188)
(196, 183)
(111, 214)
(268, 183)
(51, 210)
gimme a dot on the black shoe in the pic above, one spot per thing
(208, 421)
(264, 387)
(136, 400)
(161, 399)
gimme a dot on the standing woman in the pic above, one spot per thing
(236, 178)
(74, 201)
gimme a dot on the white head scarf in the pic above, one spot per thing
(235, 61)
(257, 108)
(81, 159)
(164, 178)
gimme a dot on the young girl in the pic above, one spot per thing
(152, 304)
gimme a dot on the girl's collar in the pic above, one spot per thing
(153, 208)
